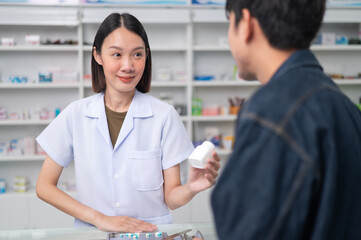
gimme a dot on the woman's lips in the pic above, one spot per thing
(125, 79)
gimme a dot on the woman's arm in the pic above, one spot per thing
(47, 190)
(176, 194)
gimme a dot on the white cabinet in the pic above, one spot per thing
(186, 41)
(43, 215)
(26, 210)
(14, 212)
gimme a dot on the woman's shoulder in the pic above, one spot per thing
(85, 104)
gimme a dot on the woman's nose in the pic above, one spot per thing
(127, 65)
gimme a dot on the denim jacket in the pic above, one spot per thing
(295, 172)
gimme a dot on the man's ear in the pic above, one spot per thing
(97, 57)
(246, 26)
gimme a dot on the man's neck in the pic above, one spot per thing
(270, 61)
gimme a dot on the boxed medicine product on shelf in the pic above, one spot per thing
(26, 146)
(32, 39)
(21, 184)
(164, 74)
(2, 186)
(17, 79)
(7, 42)
(3, 114)
(58, 75)
(209, 2)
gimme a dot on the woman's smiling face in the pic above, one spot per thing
(123, 58)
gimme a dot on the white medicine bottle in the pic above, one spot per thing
(201, 153)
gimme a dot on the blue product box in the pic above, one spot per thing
(3, 148)
(204, 78)
(45, 77)
(18, 79)
(209, 2)
(2, 186)
(341, 40)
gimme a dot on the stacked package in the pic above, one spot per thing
(21, 184)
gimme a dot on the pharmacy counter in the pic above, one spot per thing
(206, 229)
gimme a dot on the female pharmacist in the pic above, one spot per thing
(127, 146)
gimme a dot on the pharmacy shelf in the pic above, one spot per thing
(23, 122)
(211, 48)
(220, 118)
(184, 118)
(44, 48)
(347, 81)
(30, 193)
(168, 84)
(43, 23)
(223, 152)
(168, 49)
(21, 158)
(12, 194)
(38, 85)
(336, 47)
(199, 36)
(342, 14)
(226, 83)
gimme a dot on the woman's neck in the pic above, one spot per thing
(118, 101)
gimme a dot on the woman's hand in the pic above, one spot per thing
(201, 179)
(123, 224)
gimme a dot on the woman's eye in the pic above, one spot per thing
(116, 55)
(138, 54)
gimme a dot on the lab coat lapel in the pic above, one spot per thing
(102, 126)
(126, 128)
(139, 108)
(96, 110)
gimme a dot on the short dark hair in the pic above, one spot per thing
(112, 22)
(287, 24)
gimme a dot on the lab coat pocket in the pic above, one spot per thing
(146, 170)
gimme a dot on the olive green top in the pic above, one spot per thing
(115, 121)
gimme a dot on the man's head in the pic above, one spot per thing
(284, 24)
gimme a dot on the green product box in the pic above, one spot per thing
(196, 107)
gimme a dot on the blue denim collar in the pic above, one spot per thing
(300, 58)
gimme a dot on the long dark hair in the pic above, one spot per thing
(112, 22)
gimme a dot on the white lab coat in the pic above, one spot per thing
(126, 180)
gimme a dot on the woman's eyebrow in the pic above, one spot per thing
(121, 49)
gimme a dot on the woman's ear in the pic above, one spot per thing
(97, 56)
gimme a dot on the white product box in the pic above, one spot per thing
(32, 39)
(59, 75)
(328, 38)
(7, 42)
(164, 74)
(29, 146)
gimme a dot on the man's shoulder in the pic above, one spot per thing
(278, 99)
